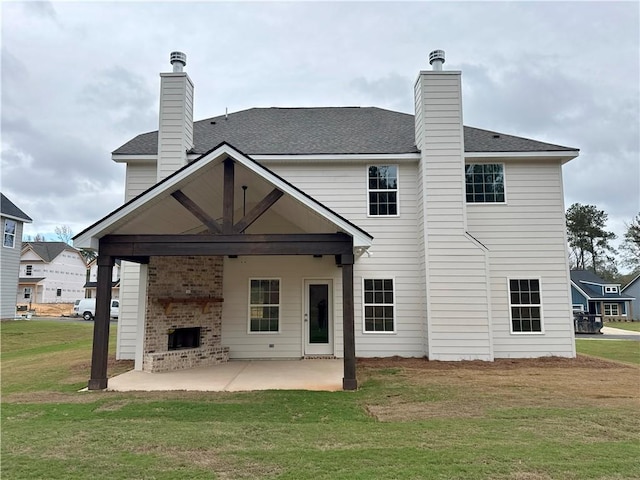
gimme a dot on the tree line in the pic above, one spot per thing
(590, 245)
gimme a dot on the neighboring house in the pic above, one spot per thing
(340, 231)
(591, 294)
(50, 272)
(92, 282)
(632, 289)
(12, 219)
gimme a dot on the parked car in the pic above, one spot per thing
(86, 308)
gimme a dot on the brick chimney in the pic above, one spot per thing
(175, 133)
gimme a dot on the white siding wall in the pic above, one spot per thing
(526, 239)
(10, 260)
(128, 319)
(139, 177)
(458, 308)
(395, 252)
(291, 270)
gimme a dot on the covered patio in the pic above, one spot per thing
(238, 376)
(192, 214)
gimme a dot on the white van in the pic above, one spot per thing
(86, 308)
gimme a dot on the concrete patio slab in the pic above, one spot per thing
(238, 376)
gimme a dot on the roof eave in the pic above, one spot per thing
(563, 156)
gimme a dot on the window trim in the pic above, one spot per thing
(540, 305)
(397, 190)
(610, 314)
(394, 305)
(610, 289)
(13, 235)
(24, 293)
(579, 309)
(279, 305)
(504, 183)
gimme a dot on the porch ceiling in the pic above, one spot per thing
(167, 216)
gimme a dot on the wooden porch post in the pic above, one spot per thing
(100, 352)
(349, 381)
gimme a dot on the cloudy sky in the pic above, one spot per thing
(80, 79)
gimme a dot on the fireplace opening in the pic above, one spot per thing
(181, 338)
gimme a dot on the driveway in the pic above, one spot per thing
(610, 333)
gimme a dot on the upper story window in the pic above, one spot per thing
(9, 238)
(28, 270)
(382, 186)
(608, 289)
(485, 183)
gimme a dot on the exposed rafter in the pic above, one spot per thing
(197, 212)
(257, 211)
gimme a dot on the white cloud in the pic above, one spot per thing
(80, 79)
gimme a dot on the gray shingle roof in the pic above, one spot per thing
(9, 209)
(325, 130)
(48, 250)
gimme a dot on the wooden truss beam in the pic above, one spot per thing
(196, 211)
(257, 211)
(132, 246)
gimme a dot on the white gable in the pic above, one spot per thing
(157, 212)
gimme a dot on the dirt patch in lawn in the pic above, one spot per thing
(50, 309)
(421, 389)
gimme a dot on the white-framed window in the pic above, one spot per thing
(28, 270)
(608, 289)
(382, 190)
(578, 307)
(379, 305)
(611, 309)
(264, 305)
(27, 293)
(484, 183)
(525, 305)
(58, 292)
(9, 238)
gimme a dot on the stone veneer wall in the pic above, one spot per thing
(184, 279)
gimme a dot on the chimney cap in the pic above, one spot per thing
(178, 60)
(436, 59)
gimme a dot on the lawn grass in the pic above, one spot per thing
(631, 326)
(619, 350)
(413, 419)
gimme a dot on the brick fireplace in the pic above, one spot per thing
(184, 313)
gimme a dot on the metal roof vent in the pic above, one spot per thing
(436, 59)
(178, 60)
